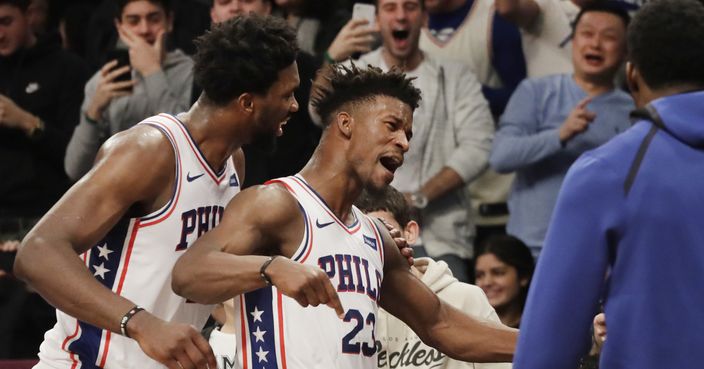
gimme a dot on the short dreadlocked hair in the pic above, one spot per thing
(244, 54)
(353, 85)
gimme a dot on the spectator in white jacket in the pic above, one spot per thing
(397, 345)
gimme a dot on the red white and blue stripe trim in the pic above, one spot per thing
(89, 344)
(306, 246)
(163, 213)
(216, 176)
(377, 234)
(262, 326)
(351, 229)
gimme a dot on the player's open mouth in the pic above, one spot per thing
(391, 163)
(280, 130)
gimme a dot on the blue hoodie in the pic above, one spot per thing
(633, 208)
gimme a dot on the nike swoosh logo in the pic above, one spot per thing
(322, 225)
(191, 179)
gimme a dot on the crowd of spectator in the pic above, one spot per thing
(517, 87)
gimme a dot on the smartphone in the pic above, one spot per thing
(364, 11)
(123, 58)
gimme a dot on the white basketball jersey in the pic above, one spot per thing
(274, 331)
(547, 43)
(135, 259)
(469, 44)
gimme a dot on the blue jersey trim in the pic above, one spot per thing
(103, 262)
(308, 232)
(325, 204)
(177, 171)
(87, 346)
(218, 173)
(259, 310)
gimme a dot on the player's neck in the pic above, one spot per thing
(213, 132)
(328, 176)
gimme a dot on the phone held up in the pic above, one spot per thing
(364, 11)
(123, 59)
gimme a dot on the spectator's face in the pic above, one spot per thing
(400, 22)
(498, 280)
(145, 19)
(274, 109)
(14, 29)
(599, 45)
(223, 10)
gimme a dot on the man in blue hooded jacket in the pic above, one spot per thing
(627, 225)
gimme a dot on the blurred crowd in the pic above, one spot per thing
(513, 92)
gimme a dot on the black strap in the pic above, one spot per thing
(639, 159)
(647, 113)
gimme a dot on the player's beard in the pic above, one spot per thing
(264, 142)
(375, 191)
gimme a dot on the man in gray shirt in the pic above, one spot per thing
(160, 82)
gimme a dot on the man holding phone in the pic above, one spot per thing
(160, 81)
(41, 88)
(357, 36)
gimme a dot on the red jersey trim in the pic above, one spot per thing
(196, 151)
(133, 237)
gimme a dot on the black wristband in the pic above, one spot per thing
(90, 120)
(262, 270)
(328, 58)
(126, 318)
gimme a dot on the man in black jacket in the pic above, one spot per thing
(41, 89)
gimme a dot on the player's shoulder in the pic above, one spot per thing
(270, 202)
(131, 151)
(139, 140)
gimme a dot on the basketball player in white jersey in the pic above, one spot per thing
(297, 243)
(106, 249)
